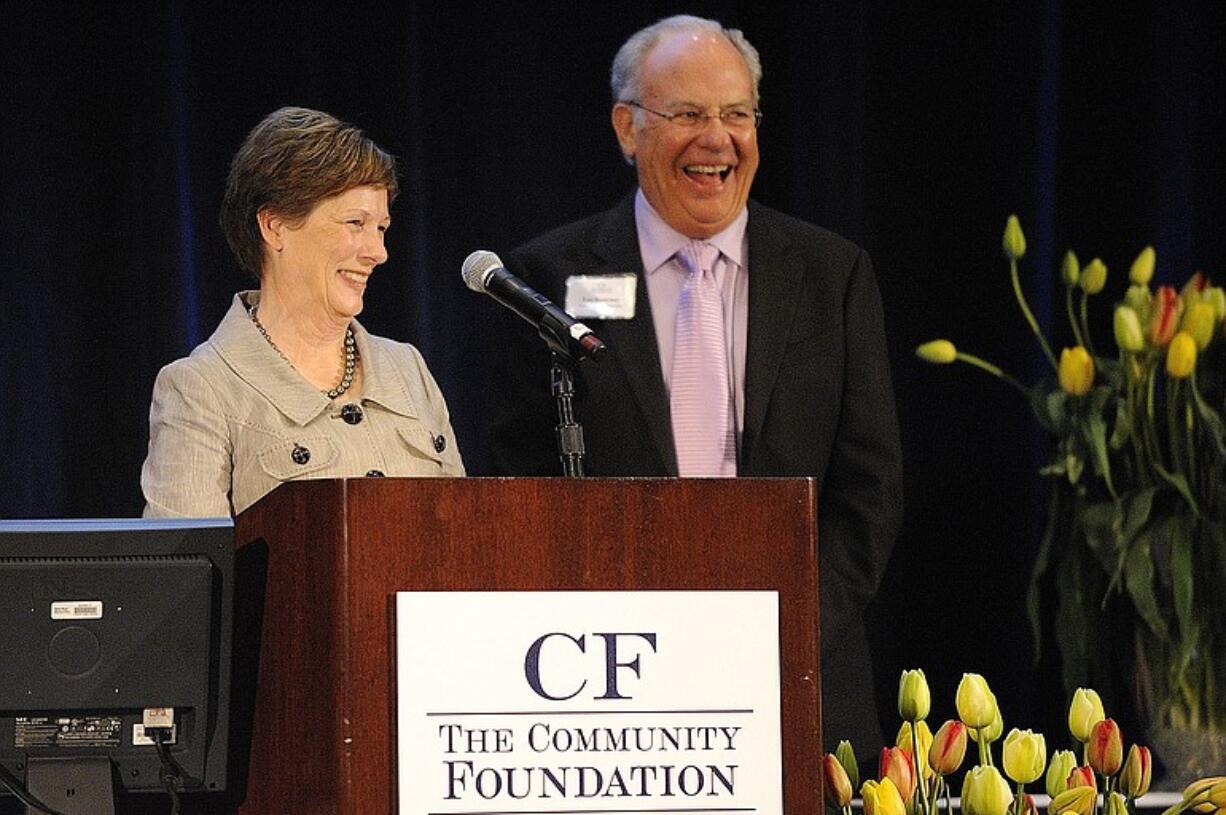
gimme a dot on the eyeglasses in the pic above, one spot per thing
(734, 118)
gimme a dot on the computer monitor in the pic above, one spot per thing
(101, 621)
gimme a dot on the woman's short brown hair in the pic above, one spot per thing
(289, 162)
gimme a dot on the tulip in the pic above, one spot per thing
(922, 739)
(1105, 749)
(914, 699)
(1073, 801)
(968, 781)
(838, 787)
(1163, 317)
(1139, 298)
(1014, 242)
(992, 732)
(1024, 755)
(882, 798)
(975, 702)
(1143, 267)
(1194, 288)
(1216, 297)
(1094, 277)
(1082, 776)
(896, 765)
(1070, 269)
(1138, 769)
(1199, 321)
(1199, 795)
(847, 757)
(938, 352)
(1085, 711)
(1128, 334)
(1115, 805)
(948, 748)
(989, 792)
(1181, 356)
(1062, 763)
(1076, 371)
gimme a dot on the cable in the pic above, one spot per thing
(18, 789)
(171, 775)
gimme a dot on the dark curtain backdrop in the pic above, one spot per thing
(913, 130)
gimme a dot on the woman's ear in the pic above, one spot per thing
(272, 229)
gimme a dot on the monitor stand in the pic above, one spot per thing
(73, 786)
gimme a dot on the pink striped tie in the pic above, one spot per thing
(700, 395)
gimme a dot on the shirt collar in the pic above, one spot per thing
(658, 241)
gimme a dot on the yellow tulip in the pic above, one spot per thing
(992, 732)
(938, 352)
(1076, 371)
(1199, 321)
(914, 698)
(1024, 755)
(1115, 805)
(1074, 801)
(1094, 276)
(1216, 297)
(1014, 242)
(1085, 711)
(1181, 356)
(1139, 298)
(975, 702)
(924, 736)
(1128, 333)
(1142, 270)
(1070, 269)
(990, 793)
(882, 798)
(1062, 763)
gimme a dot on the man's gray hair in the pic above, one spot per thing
(624, 76)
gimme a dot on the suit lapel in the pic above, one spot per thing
(634, 340)
(775, 275)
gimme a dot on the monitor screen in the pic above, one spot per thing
(100, 622)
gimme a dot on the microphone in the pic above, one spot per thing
(483, 272)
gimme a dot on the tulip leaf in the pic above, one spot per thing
(1122, 429)
(1210, 419)
(1139, 580)
(1095, 430)
(1181, 573)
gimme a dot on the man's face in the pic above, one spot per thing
(696, 176)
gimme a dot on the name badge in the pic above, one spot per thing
(603, 297)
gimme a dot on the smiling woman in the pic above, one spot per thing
(260, 402)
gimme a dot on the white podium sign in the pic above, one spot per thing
(574, 702)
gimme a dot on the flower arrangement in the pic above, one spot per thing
(917, 775)
(1138, 508)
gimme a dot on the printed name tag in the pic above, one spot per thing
(603, 297)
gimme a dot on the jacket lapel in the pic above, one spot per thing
(634, 340)
(775, 276)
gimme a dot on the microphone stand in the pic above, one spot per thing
(569, 431)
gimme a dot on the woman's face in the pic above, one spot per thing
(328, 258)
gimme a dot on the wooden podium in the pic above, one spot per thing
(330, 556)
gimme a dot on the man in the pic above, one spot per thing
(798, 381)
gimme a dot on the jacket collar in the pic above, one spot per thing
(241, 346)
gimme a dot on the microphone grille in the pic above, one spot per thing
(477, 267)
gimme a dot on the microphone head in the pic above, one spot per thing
(477, 267)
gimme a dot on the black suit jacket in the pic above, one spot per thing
(818, 402)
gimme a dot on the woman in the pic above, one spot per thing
(290, 385)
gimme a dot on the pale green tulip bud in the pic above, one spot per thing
(1216, 297)
(1094, 277)
(975, 702)
(1085, 711)
(847, 757)
(1070, 269)
(1056, 780)
(1128, 333)
(990, 793)
(1115, 805)
(1142, 270)
(938, 352)
(1014, 242)
(992, 732)
(1138, 299)
(914, 699)
(1199, 321)
(1024, 755)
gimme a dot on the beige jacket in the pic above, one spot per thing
(231, 422)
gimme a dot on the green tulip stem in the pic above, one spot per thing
(1072, 318)
(994, 370)
(921, 788)
(1085, 324)
(847, 809)
(1019, 798)
(985, 749)
(1034, 324)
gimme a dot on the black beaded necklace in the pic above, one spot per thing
(352, 357)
